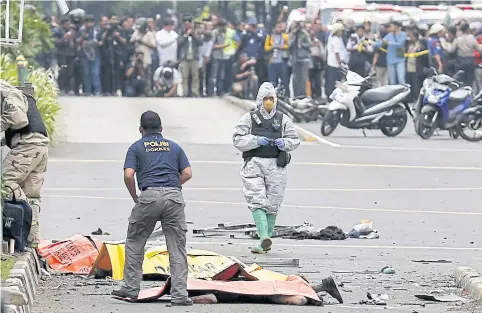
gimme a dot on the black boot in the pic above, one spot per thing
(328, 285)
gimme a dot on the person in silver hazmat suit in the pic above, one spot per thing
(265, 136)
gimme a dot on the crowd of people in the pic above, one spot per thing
(185, 56)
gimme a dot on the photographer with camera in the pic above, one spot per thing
(188, 45)
(245, 79)
(145, 42)
(66, 48)
(136, 77)
(88, 42)
(110, 43)
(299, 45)
(166, 79)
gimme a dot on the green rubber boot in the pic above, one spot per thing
(261, 222)
(271, 219)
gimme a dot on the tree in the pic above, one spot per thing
(37, 36)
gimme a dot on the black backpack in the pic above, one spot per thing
(17, 221)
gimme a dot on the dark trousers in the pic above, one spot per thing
(111, 81)
(79, 76)
(414, 81)
(66, 72)
(468, 66)
(333, 74)
(315, 80)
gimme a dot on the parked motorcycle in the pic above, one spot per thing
(357, 105)
(300, 108)
(470, 120)
(442, 100)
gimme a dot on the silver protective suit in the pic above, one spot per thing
(264, 182)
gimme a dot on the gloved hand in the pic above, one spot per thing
(263, 141)
(280, 143)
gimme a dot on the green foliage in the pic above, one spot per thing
(46, 91)
(8, 262)
(37, 36)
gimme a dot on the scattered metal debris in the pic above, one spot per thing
(100, 232)
(431, 261)
(275, 262)
(247, 229)
(440, 298)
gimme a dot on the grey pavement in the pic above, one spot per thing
(422, 196)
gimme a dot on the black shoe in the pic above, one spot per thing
(328, 285)
(187, 302)
(123, 294)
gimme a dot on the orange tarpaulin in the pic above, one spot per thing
(74, 255)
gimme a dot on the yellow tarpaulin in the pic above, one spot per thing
(256, 272)
(202, 264)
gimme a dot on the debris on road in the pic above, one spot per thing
(364, 230)
(276, 262)
(379, 298)
(441, 298)
(387, 270)
(99, 232)
(308, 231)
(246, 229)
(431, 261)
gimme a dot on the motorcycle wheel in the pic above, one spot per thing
(392, 126)
(329, 123)
(425, 126)
(471, 123)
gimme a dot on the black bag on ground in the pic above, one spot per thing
(17, 221)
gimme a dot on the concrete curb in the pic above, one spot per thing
(470, 280)
(19, 290)
(248, 106)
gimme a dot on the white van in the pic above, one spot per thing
(328, 7)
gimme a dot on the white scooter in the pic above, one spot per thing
(356, 105)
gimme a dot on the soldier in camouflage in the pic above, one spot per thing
(264, 136)
(25, 165)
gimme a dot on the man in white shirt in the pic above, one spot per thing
(166, 80)
(166, 40)
(337, 56)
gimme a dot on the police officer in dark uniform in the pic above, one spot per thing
(161, 167)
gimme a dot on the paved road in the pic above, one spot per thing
(423, 197)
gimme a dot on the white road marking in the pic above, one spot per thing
(297, 245)
(287, 189)
(394, 148)
(328, 164)
(285, 205)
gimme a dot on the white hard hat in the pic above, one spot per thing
(436, 28)
(336, 27)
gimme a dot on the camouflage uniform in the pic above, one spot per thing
(25, 165)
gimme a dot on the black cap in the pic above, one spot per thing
(150, 120)
(168, 21)
(89, 18)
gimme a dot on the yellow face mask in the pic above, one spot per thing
(268, 105)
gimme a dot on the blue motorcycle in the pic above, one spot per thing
(442, 101)
(470, 125)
